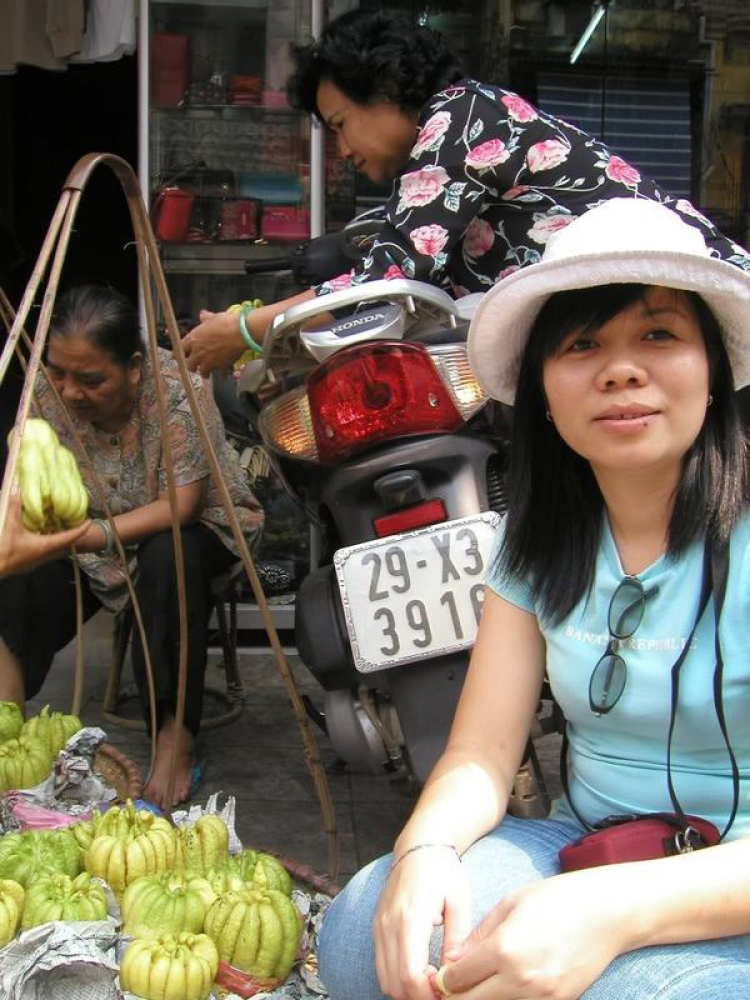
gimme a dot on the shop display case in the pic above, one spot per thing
(231, 174)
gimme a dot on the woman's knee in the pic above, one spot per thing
(346, 950)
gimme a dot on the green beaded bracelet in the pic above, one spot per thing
(246, 335)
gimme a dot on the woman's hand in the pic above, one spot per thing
(214, 344)
(427, 888)
(22, 550)
(549, 939)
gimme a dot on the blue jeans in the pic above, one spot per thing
(514, 854)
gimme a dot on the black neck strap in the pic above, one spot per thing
(715, 573)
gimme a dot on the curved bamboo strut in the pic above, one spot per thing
(150, 267)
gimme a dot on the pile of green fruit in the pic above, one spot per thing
(184, 901)
(53, 496)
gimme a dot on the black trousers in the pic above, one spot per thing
(37, 617)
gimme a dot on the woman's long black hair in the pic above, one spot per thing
(372, 57)
(554, 520)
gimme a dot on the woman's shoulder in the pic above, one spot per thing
(467, 90)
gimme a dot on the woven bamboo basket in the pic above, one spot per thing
(118, 771)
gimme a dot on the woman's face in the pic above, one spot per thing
(93, 386)
(632, 394)
(377, 138)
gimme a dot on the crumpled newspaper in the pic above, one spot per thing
(66, 795)
(61, 961)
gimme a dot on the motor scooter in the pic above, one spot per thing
(376, 424)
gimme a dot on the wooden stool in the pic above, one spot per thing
(224, 591)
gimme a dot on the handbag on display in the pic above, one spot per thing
(239, 219)
(619, 839)
(169, 69)
(285, 222)
(170, 214)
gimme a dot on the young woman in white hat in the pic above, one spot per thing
(621, 352)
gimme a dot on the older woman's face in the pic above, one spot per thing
(93, 386)
(377, 138)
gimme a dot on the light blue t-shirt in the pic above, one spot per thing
(617, 761)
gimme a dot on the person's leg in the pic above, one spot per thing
(204, 556)
(516, 853)
(37, 618)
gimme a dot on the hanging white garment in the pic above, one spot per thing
(110, 31)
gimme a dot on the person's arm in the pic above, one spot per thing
(465, 796)
(142, 522)
(22, 550)
(217, 342)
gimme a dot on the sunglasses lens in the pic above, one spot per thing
(626, 609)
(607, 683)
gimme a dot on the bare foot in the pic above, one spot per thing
(155, 789)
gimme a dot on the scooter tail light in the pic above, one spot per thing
(452, 364)
(286, 424)
(366, 394)
(418, 516)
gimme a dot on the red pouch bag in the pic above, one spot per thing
(171, 214)
(638, 838)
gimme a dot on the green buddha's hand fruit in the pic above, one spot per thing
(25, 856)
(53, 496)
(202, 844)
(53, 729)
(257, 931)
(23, 762)
(262, 870)
(11, 721)
(130, 843)
(170, 968)
(11, 907)
(59, 897)
(168, 903)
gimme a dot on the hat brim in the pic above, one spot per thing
(504, 318)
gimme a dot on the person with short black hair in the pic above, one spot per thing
(106, 381)
(628, 493)
(481, 178)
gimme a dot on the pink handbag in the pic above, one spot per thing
(285, 222)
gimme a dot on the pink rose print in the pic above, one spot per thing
(515, 192)
(519, 109)
(340, 281)
(394, 271)
(506, 272)
(547, 154)
(478, 238)
(431, 132)
(487, 154)
(545, 225)
(420, 187)
(618, 170)
(429, 240)
(687, 208)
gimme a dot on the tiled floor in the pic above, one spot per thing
(259, 759)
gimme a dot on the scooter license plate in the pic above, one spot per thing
(417, 595)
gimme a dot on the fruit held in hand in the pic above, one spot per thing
(53, 496)
(53, 729)
(170, 968)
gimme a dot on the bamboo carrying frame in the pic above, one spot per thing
(150, 271)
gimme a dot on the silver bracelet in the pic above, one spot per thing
(109, 536)
(421, 847)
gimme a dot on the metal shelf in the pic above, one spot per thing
(249, 619)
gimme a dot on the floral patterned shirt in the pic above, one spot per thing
(130, 465)
(489, 179)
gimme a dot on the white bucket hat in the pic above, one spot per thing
(623, 240)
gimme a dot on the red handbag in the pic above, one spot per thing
(285, 222)
(638, 838)
(171, 214)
